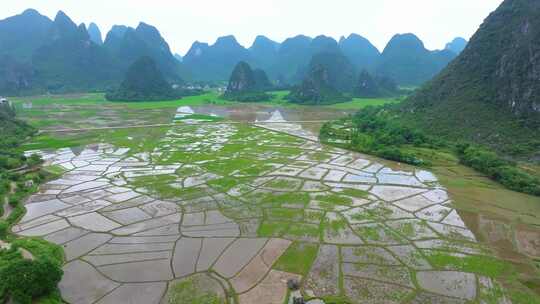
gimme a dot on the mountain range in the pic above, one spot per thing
(42, 55)
(405, 59)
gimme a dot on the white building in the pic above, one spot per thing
(4, 102)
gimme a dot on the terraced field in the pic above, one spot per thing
(228, 213)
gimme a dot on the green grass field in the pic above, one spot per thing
(209, 98)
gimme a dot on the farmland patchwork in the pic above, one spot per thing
(230, 212)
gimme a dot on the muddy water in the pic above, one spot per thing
(257, 113)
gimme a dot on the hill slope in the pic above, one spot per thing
(38, 55)
(215, 62)
(23, 34)
(409, 63)
(129, 44)
(360, 52)
(330, 79)
(457, 45)
(95, 34)
(13, 130)
(491, 93)
(69, 60)
(246, 84)
(143, 82)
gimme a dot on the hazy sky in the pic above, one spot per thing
(182, 22)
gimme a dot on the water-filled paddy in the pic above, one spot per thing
(247, 208)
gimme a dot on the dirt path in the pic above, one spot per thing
(7, 207)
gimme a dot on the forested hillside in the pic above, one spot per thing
(491, 93)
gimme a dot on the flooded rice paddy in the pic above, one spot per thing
(238, 210)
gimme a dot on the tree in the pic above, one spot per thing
(26, 279)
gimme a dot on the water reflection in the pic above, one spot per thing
(256, 113)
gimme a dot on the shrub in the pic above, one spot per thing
(41, 249)
(4, 226)
(375, 131)
(14, 201)
(25, 279)
(13, 163)
(16, 214)
(34, 160)
(503, 171)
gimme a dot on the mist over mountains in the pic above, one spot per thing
(42, 55)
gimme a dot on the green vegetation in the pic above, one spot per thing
(361, 103)
(523, 297)
(41, 249)
(376, 131)
(159, 185)
(355, 193)
(336, 300)
(292, 198)
(505, 172)
(368, 86)
(24, 279)
(137, 139)
(187, 291)
(4, 227)
(17, 179)
(201, 117)
(12, 132)
(283, 184)
(330, 201)
(476, 100)
(223, 184)
(272, 229)
(298, 258)
(483, 265)
(248, 97)
(379, 131)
